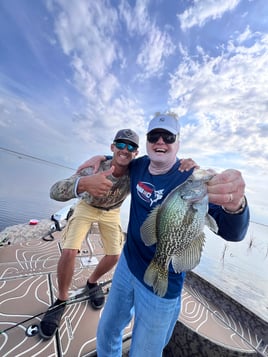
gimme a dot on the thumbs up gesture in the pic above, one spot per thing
(96, 185)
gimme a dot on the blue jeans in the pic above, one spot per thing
(154, 317)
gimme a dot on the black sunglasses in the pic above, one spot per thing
(122, 146)
(167, 137)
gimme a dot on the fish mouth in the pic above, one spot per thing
(194, 195)
(205, 175)
(193, 199)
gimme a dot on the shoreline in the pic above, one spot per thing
(24, 231)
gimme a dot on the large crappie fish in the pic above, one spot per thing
(176, 227)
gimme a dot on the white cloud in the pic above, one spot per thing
(99, 127)
(227, 95)
(155, 45)
(205, 10)
(108, 87)
(136, 18)
(86, 33)
(156, 48)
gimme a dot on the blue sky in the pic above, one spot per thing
(73, 72)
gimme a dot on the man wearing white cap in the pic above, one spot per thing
(152, 177)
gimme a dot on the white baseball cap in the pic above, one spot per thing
(166, 122)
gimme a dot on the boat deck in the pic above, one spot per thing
(210, 323)
(213, 324)
(28, 286)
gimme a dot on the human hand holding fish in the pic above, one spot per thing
(227, 189)
(187, 164)
(176, 227)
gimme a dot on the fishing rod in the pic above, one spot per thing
(76, 299)
(21, 155)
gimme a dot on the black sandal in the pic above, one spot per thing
(96, 295)
(51, 320)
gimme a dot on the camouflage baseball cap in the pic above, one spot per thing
(127, 135)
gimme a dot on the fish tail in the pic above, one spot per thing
(157, 277)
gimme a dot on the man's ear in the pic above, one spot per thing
(112, 147)
(136, 153)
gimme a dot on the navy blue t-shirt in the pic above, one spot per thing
(148, 191)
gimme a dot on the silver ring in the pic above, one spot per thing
(231, 197)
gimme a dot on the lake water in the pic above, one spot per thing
(239, 269)
(24, 189)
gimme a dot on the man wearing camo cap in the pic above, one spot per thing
(96, 205)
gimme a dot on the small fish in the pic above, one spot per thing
(176, 227)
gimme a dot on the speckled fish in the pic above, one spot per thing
(176, 227)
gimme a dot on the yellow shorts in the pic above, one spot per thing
(80, 222)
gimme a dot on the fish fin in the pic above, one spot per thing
(148, 228)
(191, 256)
(157, 277)
(211, 223)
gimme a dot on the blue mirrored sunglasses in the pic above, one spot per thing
(122, 146)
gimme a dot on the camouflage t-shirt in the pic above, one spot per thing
(64, 190)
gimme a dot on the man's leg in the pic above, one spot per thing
(112, 239)
(117, 313)
(155, 318)
(96, 294)
(73, 236)
(105, 265)
(65, 271)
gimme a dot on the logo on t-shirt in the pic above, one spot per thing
(146, 191)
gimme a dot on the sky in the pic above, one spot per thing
(72, 73)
